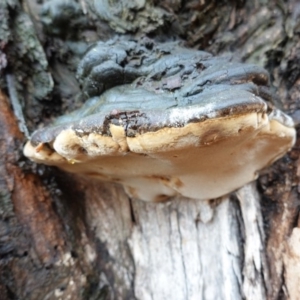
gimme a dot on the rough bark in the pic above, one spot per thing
(67, 237)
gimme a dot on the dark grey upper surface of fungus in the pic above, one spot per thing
(146, 86)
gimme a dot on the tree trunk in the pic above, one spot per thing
(64, 236)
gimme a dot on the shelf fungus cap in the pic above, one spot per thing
(200, 141)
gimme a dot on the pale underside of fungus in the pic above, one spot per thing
(163, 120)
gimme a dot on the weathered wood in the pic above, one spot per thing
(187, 249)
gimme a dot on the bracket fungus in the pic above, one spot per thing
(164, 120)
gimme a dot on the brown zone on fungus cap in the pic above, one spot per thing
(162, 198)
(136, 122)
(167, 180)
